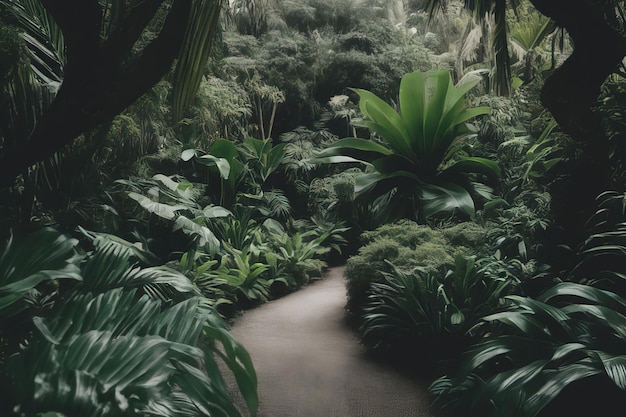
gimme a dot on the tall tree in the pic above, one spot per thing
(105, 70)
(570, 93)
(481, 11)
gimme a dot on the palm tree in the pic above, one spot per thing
(597, 30)
(482, 11)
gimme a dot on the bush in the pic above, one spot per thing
(423, 317)
(406, 245)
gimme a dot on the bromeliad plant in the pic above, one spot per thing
(416, 158)
(240, 274)
(298, 256)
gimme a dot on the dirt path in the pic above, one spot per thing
(309, 364)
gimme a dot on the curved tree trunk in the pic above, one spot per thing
(100, 79)
(570, 94)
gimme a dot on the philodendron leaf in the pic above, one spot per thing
(206, 236)
(188, 154)
(166, 211)
(222, 164)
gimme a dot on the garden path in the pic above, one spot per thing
(310, 363)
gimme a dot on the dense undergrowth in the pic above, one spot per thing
(322, 133)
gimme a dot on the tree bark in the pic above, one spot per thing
(101, 78)
(570, 93)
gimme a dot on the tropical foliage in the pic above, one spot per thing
(211, 172)
(406, 245)
(124, 339)
(429, 313)
(540, 346)
(416, 159)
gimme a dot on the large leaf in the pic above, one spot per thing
(555, 382)
(614, 366)
(28, 261)
(478, 165)
(205, 236)
(384, 120)
(350, 146)
(446, 198)
(163, 210)
(238, 361)
(118, 311)
(222, 164)
(412, 102)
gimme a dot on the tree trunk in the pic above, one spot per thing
(100, 78)
(570, 94)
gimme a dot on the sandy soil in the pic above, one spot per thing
(310, 364)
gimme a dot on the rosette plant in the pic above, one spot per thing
(416, 159)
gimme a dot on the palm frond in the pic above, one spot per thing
(109, 350)
(27, 261)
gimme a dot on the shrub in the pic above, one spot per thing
(406, 245)
(425, 316)
(120, 340)
(537, 349)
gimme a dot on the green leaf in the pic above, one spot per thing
(205, 236)
(165, 211)
(212, 212)
(222, 164)
(27, 261)
(383, 119)
(446, 198)
(478, 165)
(188, 154)
(615, 367)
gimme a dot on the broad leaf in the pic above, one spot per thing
(446, 198)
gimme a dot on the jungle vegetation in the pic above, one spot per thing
(166, 164)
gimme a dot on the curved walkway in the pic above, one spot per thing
(310, 364)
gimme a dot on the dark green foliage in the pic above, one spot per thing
(601, 259)
(11, 49)
(406, 245)
(535, 349)
(373, 58)
(172, 204)
(241, 275)
(413, 155)
(611, 107)
(298, 256)
(123, 341)
(425, 316)
(283, 61)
